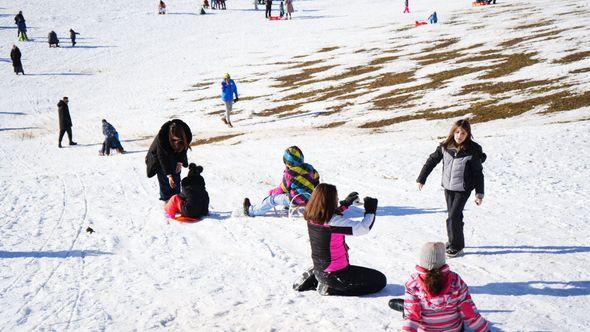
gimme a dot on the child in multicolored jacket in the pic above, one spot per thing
(299, 180)
(436, 298)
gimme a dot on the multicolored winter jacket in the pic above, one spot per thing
(446, 311)
(299, 178)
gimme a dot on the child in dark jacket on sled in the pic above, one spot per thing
(193, 201)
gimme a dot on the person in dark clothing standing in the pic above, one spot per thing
(65, 122)
(332, 273)
(268, 12)
(73, 37)
(15, 55)
(167, 156)
(462, 172)
(52, 39)
(20, 22)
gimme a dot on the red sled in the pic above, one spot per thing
(419, 23)
(186, 219)
(275, 18)
(478, 4)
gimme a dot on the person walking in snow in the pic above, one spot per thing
(15, 56)
(52, 39)
(228, 90)
(65, 121)
(436, 298)
(462, 172)
(290, 8)
(299, 180)
(73, 37)
(193, 200)
(111, 139)
(332, 273)
(433, 19)
(21, 25)
(167, 155)
(281, 9)
(268, 12)
(161, 8)
(407, 7)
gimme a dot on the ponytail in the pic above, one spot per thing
(434, 281)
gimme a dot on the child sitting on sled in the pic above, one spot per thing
(299, 180)
(193, 201)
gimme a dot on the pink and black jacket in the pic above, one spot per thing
(328, 246)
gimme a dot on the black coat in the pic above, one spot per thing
(52, 38)
(18, 18)
(195, 197)
(73, 35)
(15, 55)
(63, 111)
(160, 156)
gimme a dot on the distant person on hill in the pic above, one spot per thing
(205, 4)
(167, 156)
(228, 90)
(21, 25)
(407, 7)
(462, 172)
(255, 4)
(268, 12)
(332, 273)
(281, 9)
(214, 4)
(111, 139)
(15, 56)
(433, 19)
(161, 8)
(65, 122)
(73, 37)
(193, 200)
(436, 298)
(290, 8)
(52, 39)
(299, 180)
(222, 2)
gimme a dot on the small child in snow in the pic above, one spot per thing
(111, 139)
(436, 298)
(281, 9)
(73, 37)
(161, 8)
(299, 181)
(433, 19)
(193, 201)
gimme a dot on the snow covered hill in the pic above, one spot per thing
(363, 92)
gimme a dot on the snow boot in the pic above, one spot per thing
(397, 304)
(306, 282)
(247, 207)
(452, 253)
(73, 143)
(323, 289)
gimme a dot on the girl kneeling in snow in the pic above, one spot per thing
(436, 298)
(331, 273)
(299, 180)
(193, 200)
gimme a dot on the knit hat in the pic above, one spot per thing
(194, 172)
(293, 157)
(226, 75)
(432, 255)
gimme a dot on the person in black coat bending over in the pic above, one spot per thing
(167, 156)
(52, 39)
(65, 122)
(73, 37)
(16, 63)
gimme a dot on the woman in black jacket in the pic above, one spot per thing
(167, 156)
(462, 172)
(15, 56)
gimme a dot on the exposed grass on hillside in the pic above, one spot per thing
(511, 64)
(216, 139)
(573, 57)
(328, 49)
(495, 88)
(538, 24)
(331, 125)
(579, 71)
(294, 79)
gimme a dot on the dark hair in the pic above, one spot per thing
(322, 204)
(178, 138)
(434, 281)
(450, 140)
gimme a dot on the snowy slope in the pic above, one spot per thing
(527, 257)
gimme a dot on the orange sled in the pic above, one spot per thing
(419, 23)
(186, 219)
(478, 4)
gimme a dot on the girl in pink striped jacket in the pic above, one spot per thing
(436, 298)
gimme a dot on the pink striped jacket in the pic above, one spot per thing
(446, 311)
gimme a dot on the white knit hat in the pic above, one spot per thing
(432, 255)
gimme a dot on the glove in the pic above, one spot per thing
(353, 196)
(236, 100)
(370, 205)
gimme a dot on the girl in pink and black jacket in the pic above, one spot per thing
(436, 298)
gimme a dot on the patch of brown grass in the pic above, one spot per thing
(390, 79)
(511, 64)
(216, 139)
(300, 56)
(442, 44)
(252, 97)
(279, 109)
(351, 72)
(328, 49)
(204, 98)
(538, 24)
(202, 85)
(397, 101)
(495, 88)
(293, 79)
(571, 121)
(569, 102)
(335, 109)
(579, 71)
(331, 125)
(306, 64)
(438, 57)
(483, 57)
(218, 112)
(573, 57)
(382, 60)
(404, 28)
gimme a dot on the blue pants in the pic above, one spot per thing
(268, 203)
(165, 190)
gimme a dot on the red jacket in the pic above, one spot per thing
(446, 311)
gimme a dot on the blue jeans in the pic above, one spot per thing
(268, 203)
(165, 190)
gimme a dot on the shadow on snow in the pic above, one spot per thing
(52, 254)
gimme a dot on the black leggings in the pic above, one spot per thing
(353, 281)
(455, 204)
(63, 131)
